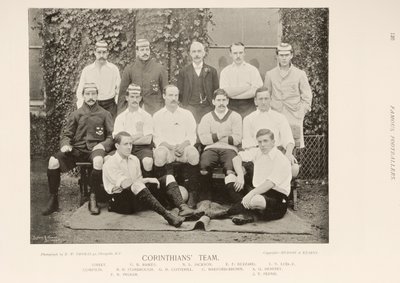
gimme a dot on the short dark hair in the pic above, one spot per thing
(262, 89)
(219, 91)
(263, 132)
(236, 44)
(118, 137)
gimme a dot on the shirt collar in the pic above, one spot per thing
(118, 157)
(272, 152)
(285, 73)
(220, 116)
(139, 111)
(107, 64)
(263, 113)
(199, 67)
(178, 109)
(239, 66)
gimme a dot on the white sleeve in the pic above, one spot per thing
(248, 139)
(148, 125)
(223, 79)
(117, 84)
(191, 128)
(79, 95)
(248, 155)
(118, 125)
(256, 80)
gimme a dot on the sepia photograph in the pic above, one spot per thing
(178, 125)
(157, 141)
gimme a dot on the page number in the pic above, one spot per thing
(392, 36)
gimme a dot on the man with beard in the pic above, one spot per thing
(220, 131)
(290, 91)
(86, 137)
(139, 124)
(131, 192)
(197, 83)
(240, 80)
(148, 74)
(106, 77)
(174, 138)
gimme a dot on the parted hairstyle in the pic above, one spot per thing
(263, 132)
(236, 44)
(118, 137)
(262, 89)
(219, 91)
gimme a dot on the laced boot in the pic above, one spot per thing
(241, 214)
(174, 194)
(92, 205)
(242, 219)
(95, 182)
(151, 202)
(52, 205)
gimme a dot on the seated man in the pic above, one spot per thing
(86, 137)
(270, 183)
(266, 118)
(139, 124)
(129, 191)
(221, 132)
(174, 138)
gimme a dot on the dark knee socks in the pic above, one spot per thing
(95, 180)
(53, 178)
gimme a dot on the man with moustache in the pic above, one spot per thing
(86, 137)
(131, 192)
(220, 131)
(268, 192)
(174, 138)
(290, 91)
(149, 75)
(240, 80)
(106, 77)
(197, 83)
(139, 124)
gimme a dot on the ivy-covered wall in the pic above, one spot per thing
(307, 31)
(69, 36)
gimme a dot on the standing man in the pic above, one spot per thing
(221, 133)
(106, 77)
(148, 74)
(174, 138)
(86, 137)
(197, 83)
(290, 91)
(130, 192)
(270, 186)
(139, 124)
(240, 80)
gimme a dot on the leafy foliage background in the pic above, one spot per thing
(307, 31)
(69, 36)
